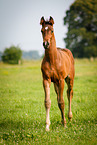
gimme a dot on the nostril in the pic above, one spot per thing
(46, 44)
(43, 43)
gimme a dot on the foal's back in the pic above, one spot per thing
(67, 61)
(66, 52)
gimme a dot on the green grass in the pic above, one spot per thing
(22, 111)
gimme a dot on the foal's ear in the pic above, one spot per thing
(42, 21)
(51, 20)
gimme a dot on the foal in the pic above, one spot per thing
(57, 66)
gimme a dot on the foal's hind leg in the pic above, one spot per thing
(69, 82)
(56, 90)
(61, 100)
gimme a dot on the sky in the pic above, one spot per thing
(20, 22)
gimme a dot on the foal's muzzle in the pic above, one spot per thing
(46, 44)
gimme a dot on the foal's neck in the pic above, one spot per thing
(51, 52)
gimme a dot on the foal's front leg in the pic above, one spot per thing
(46, 85)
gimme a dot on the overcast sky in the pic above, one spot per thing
(20, 22)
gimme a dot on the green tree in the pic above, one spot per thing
(81, 20)
(12, 55)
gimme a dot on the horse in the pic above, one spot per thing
(57, 66)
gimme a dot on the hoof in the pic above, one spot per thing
(47, 127)
(70, 116)
(63, 122)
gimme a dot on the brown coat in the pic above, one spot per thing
(57, 66)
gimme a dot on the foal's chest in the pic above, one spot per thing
(54, 75)
(50, 71)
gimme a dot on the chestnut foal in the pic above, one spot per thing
(57, 66)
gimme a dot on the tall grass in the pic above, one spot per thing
(22, 111)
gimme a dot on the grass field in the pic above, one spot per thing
(22, 111)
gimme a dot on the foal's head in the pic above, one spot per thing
(47, 31)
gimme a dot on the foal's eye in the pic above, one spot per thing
(52, 31)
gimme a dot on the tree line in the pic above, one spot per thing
(81, 38)
(14, 55)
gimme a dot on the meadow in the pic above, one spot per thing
(22, 111)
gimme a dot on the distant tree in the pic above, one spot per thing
(34, 54)
(0, 56)
(81, 20)
(12, 55)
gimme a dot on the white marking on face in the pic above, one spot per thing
(46, 28)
